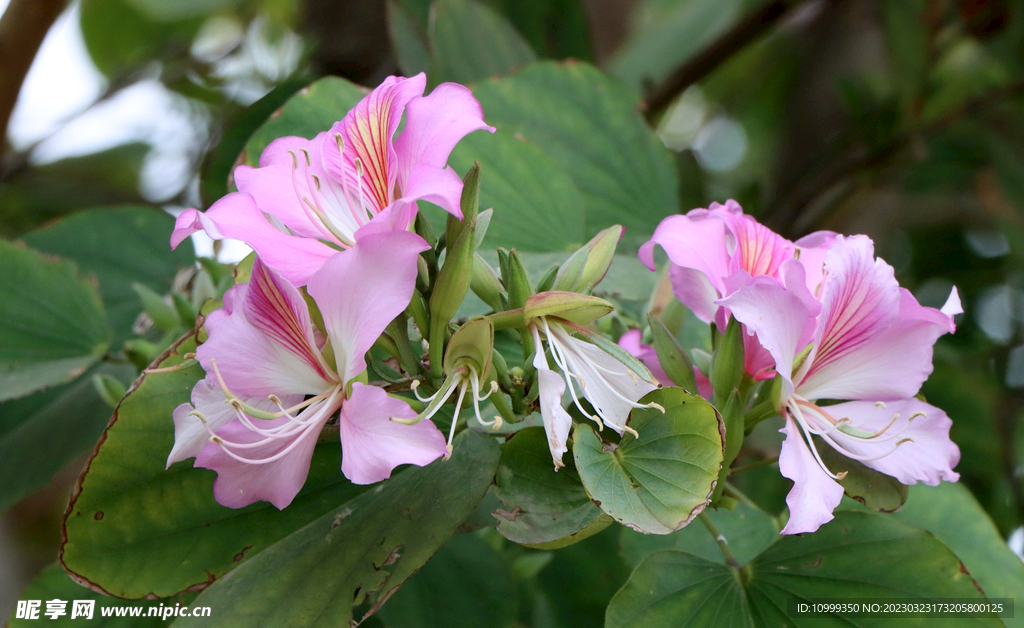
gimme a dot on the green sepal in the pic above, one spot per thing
(732, 417)
(727, 366)
(470, 205)
(449, 290)
(520, 288)
(472, 343)
(547, 280)
(672, 357)
(485, 284)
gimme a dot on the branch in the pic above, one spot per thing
(22, 28)
(732, 41)
(858, 157)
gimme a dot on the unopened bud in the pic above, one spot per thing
(162, 313)
(485, 284)
(571, 306)
(520, 288)
(109, 389)
(672, 357)
(588, 266)
(727, 365)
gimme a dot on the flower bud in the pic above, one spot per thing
(485, 284)
(571, 306)
(472, 343)
(588, 265)
(520, 288)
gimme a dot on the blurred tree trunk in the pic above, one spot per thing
(22, 29)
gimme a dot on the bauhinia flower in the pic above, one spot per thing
(311, 198)
(270, 390)
(611, 387)
(715, 251)
(867, 341)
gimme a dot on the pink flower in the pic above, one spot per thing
(269, 390)
(866, 340)
(715, 251)
(310, 198)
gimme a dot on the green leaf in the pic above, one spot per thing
(748, 530)
(359, 552)
(556, 29)
(172, 10)
(588, 123)
(53, 583)
(36, 195)
(119, 246)
(660, 481)
(408, 40)
(312, 110)
(121, 38)
(134, 528)
(465, 585)
(874, 489)
(41, 433)
(54, 326)
(536, 204)
(857, 555)
(952, 514)
(668, 33)
(471, 42)
(541, 505)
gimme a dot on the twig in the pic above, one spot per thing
(735, 39)
(857, 157)
(723, 543)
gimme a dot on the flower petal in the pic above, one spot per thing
(928, 457)
(814, 494)
(759, 250)
(239, 483)
(236, 216)
(556, 420)
(880, 350)
(190, 436)
(360, 291)
(372, 445)
(694, 290)
(434, 124)
(782, 321)
(696, 243)
(435, 184)
(277, 186)
(367, 132)
(264, 344)
(604, 376)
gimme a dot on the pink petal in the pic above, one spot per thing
(781, 319)
(190, 436)
(360, 291)
(699, 244)
(264, 344)
(884, 352)
(236, 216)
(396, 217)
(759, 250)
(372, 445)
(929, 458)
(239, 484)
(813, 249)
(435, 184)
(434, 124)
(367, 132)
(278, 185)
(814, 494)
(693, 290)
(556, 420)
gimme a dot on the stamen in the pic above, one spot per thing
(805, 432)
(455, 420)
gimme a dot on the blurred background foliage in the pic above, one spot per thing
(901, 119)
